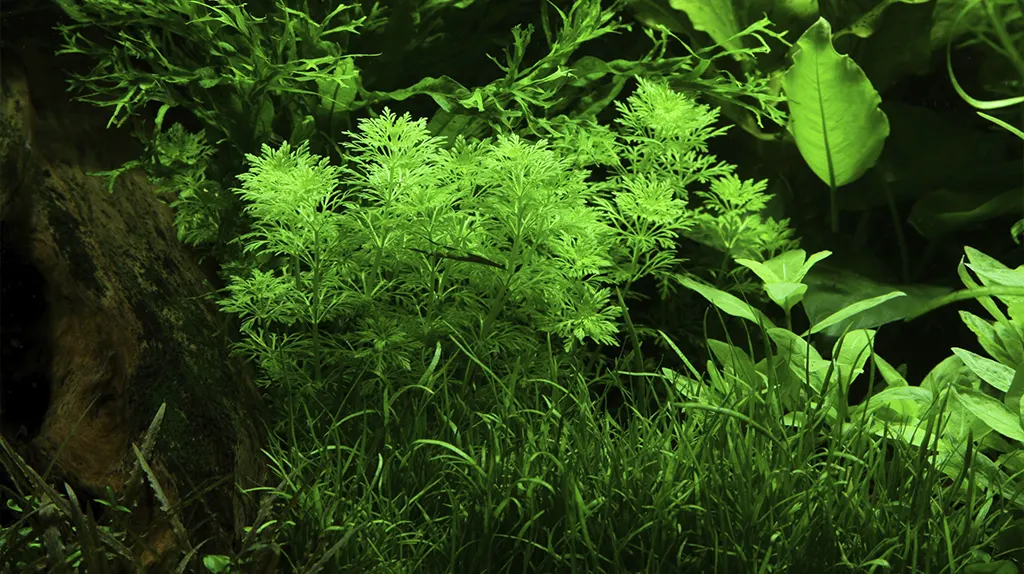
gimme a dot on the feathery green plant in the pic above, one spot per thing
(501, 241)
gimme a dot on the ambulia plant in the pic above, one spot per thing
(412, 243)
(500, 242)
(665, 185)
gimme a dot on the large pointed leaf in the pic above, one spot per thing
(992, 372)
(834, 115)
(716, 18)
(728, 303)
(851, 310)
(994, 413)
(832, 288)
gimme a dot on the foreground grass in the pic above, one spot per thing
(521, 474)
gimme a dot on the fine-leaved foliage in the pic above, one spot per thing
(501, 243)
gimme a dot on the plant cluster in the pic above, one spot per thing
(422, 297)
(502, 242)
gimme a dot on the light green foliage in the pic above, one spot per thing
(291, 197)
(198, 203)
(783, 276)
(834, 115)
(501, 241)
(676, 188)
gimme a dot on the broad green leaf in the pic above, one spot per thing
(911, 432)
(851, 310)
(450, 126)
(1015, 394)
(988, 337)
(941, 212)
(834, 115)
(790, 267)
(1000, 277)
(992, 269)
(716, 18)
(969, 282)
(263, 124)
(728, 303)
(897, 405)
(866, 25)
(892, 377)
(686, 386)
(781, 276)
(992, 412)
(734, 360)
(851, 352)
(916, 395)
(339, 90)
(950, 461)
(303, 129)
(803, 359)
(997, 567)
(994, 373)
(448, 94)
(763, 271)
(658, 14)
(785, 295)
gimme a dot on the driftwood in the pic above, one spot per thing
(105, 318)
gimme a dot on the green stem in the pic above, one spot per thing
(835, 210)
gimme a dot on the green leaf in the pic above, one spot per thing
(734, 361)
(851, 352)
(992, 271)
(728, 303)
(227, 47)
(992, 372)
(851, 310)
(716, 18)
(785, 295)
(803, 360)
(447, 93)
(832, 287)
(1016, 393)
(871, 20)
(992, 412)
(987, 336)
(997, 567)
(906, 402)
(264, 121)
(941, 212)
(834, 114)
(892, 377)
(217, 563)
(790, 267)
(1006, 126)
(782, 275)
(339, 90)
